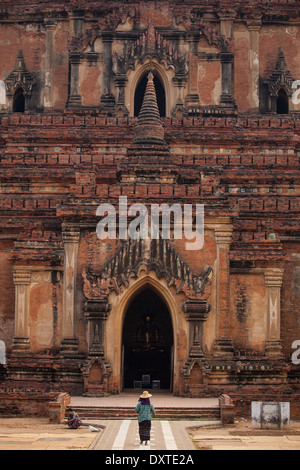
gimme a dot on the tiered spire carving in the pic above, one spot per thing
(148, 145)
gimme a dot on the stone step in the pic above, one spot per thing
(162, 413)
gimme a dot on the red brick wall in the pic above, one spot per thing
(244, 166)
(7, 294)
(290, 326)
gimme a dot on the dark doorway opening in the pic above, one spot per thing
(19, 101)
(160, 95)
(282, 102)
(148, 342)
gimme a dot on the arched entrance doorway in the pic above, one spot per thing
(148, 341)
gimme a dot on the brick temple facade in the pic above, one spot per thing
(163, 103)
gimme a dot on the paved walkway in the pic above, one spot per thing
(124, 435)
(39, 434)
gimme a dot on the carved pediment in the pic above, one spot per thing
(151, 44)
(19, 77)
(103, 363)
(281, 77)
(151, 255)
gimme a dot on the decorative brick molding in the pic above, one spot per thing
(33, 403)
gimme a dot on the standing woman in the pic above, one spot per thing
(145, 410)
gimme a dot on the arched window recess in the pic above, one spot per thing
(282, 104)
(18, 105)
(19, 85)
(160, 94)
(277, 89)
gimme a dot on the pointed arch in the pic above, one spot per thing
(19, 85)
(282, 105)
(18, 101)
(115, 323)
(278, 88)
(96, 372)
(146, 281)
(140, 92)
(147, 341)
(161, 79)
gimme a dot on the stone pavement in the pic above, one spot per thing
(123, 434)
(39, 434)
(165, 435)
(242, 436)
(196, 435)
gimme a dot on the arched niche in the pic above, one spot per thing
(282, 105)
(160, 95)
(18, 105)
(162, 80)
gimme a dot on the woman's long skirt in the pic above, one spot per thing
(74, 423)
(144, 430)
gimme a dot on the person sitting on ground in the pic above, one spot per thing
(73, 419)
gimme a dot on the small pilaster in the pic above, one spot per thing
(273, 282)
(75, 98)
(22, 278)
(196, 312)
(71, 237)
(50, 26)
(96, 313)
(107, 99)
(223, 343)
(254, 27)
(227, 79)
(192, 99)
